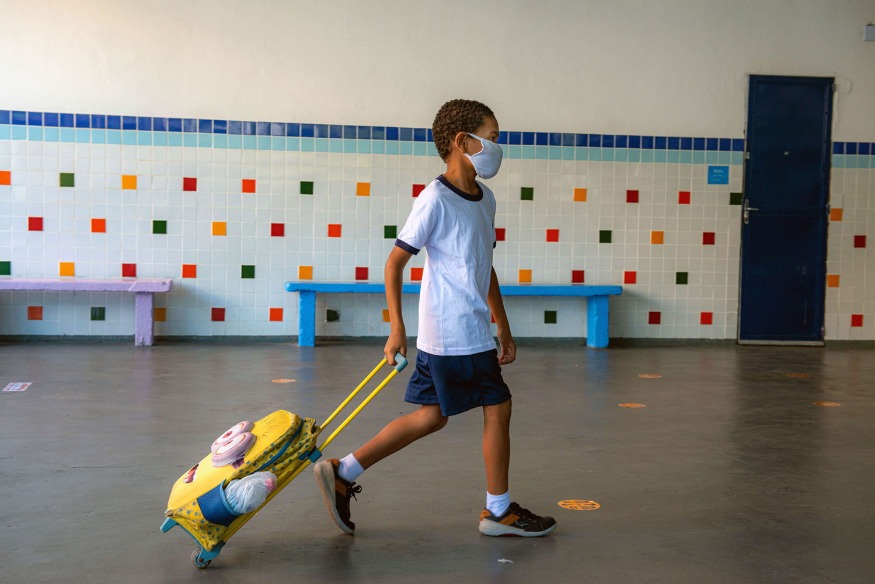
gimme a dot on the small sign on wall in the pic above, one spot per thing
(718, 175)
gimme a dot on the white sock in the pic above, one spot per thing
(497, 504)
(350, 468)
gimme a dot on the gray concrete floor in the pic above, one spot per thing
(730, 474)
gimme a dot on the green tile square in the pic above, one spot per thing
(735, 198)
(159, 227)
(549, 317)
(98, 313)
(332, 315)
(605, 236)
(390, 231)
(527, 194)
(5, 268)
(306, 187)
(68, 179)
(247, 272)
(682, 278)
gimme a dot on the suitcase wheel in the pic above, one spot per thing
(197, 561)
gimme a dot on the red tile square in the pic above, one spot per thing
(98, 226)
(683, 197)
(5, 177)
(218, 315)
(856, 320)
(334, 229)
(416, 274)
(708, 238)
(277, 229)
(129, 270)
(34, 223)
(361, 273)
(654, 318)
(859, 241)
(552, 235)
(417, 189)
(189, 270)
(631, 196)
(577, 276)
(500, 233)
(34, 313)
(276, 315)
(630, 277)
(706, 318)
(189, 184)
(248, 185)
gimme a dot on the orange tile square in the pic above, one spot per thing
(305, 272)
(98, 226)
(248, 185)
(385, 315)
(159, 314)
(5, 177)
(363, 189)
(189, 270)
(67, 269)
(416, 274)
(334, 229)
(220, 228)
(832, 281)
(525, 277)
(276, 314)
(129, 182)
(835, 214)
(34, 313)
(580, 195)
(657, 237)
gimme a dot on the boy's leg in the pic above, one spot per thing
(337, 491)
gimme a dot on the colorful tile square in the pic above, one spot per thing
(334, 230)
(129, 270)
(159, 314)
(363, 189)
(98, 225)
(681, 278)
(385, 315)
(836, 215)
(527, 194)
(577, 276)
(189, 183)
(630, 277)
(580, 195)
(416, 190)
(657, 237)
(189, 270)
(605, 236)
(275, 315)
(856, 320)
(305, 272)
(98, 313)
(220, 228)
(684, 197)
(706, 318)
(5, 178)
(549, 317)
(500, 233)
(654, 318)
(832, 280)
(248, 185)
(859, 241)
(552, 235)
(67, 179)
(34, 313)
(217, 314)
(524, 277)
(332, 315)
(361, 273)
(708, 238)
(159, 227)
(736, 198)
(277, 229)
(390, 231)
(416, 274)
(129, 182)
(631, 196)
(306, 187)
(34, 223)
(67, 269)
(5, 268)
(247, 272)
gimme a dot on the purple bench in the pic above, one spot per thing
(143, 290)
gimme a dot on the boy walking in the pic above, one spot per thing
(457, 364)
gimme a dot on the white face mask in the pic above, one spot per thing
(488, 160)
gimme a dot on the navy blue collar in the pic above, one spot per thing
(464, 195)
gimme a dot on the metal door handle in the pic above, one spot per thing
(746, 209)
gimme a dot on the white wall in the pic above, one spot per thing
(610, 66)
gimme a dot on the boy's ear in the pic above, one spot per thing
(459, 141)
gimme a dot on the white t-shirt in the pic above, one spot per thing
(457, 230)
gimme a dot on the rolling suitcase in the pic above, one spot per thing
(281, 442)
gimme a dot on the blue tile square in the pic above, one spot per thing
(262, 128)
(725, 145)
(568, 139)
(660, 142)
(674, 143)
(335, 132)
(249, 128)
(647, 144)
(712, 144)
(307, 131)
(528, 138)
(83, 121)
(113, 122)
(405, 134)
(542, 139)
(865, 149)
(293, 130)
(738, 144)
(5, 116)
(34, 118)
(19, 118)
(595, 140)
(378, 133)
(503, 137)
(686, 143)
(621, 141)
(349, 132)
(555, 139)
(144, 124)
(634, 141)
(129, 123)
(174, 124)
(363, 132)
(581, 140)
(429, 136)
(67, 120)
(698, 144)
(392, 134)
(98, 122)
(205, 126)
(419, 135)
(235, 128)
(189, 125)
(220, 126)
(607, 141)
(277, 129)
(515, 138)
(159, 124)
(320, 130)
(49, 119)
(851, 148)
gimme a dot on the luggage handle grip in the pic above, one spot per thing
(401, 362)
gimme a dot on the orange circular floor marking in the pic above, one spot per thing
(798, 375)
(283, 380)
(579, 505)
(632, 405)
(650, 376)
(827, 404)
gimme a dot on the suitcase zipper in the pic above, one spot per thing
(282, 450)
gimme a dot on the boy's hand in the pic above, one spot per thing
(397, 343)
(508, 348)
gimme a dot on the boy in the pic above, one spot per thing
(457, 365)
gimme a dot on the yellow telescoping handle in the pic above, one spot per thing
(401, 364)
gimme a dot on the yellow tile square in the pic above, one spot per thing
(525, 277)
(129, 182)
(832, 281)
(220, 228)
(363, 189)
(305, 272)
(385, 315)
(835, 214)
(657, 237)
(580, 195)
(159, 314)
(67, 269)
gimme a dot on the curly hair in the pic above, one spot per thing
(457, 115)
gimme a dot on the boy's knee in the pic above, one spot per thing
(432, 419)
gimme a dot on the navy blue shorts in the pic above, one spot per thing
(457, 383)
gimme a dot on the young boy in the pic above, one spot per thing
(457, 365)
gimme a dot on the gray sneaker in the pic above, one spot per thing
(336, 493)
(516, 521)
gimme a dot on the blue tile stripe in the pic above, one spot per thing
(163, 131)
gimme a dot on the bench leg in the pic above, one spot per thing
(306, 319)
(143, 331)
(597, 322)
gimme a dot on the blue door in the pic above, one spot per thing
(785, 210)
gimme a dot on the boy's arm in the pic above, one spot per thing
(496, 305)
(393, 274)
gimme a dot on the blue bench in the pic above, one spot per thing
(596, 304)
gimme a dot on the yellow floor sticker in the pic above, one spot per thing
(579, 505)
(632, 405)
